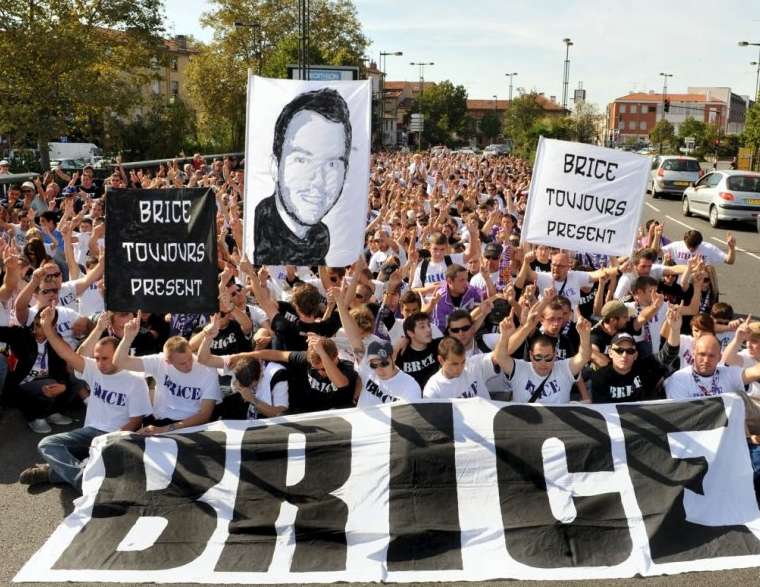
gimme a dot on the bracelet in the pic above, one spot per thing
(171, 427)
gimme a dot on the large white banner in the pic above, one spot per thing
(306, 171)
(585, 198)
(454, 490)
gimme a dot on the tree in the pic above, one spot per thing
(217, 77)
(662, 133)
(586, 120)
(66, 63)
(444, 106)
(519, 120)
(490, 125)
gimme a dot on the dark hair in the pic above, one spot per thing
(648, 254)
(450, 346)
(325, 102)
(692, 238)
(453, 270)
(410, 297)
(109, 340)
(50, 216)
(642, 283)
(458, 314)
(541, 340)
(410, 322)
(722, 311)
(703, 322)
(307, 299)
(247, 372)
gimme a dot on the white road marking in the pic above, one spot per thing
(681, 223)
(745, 251)
(656, 209)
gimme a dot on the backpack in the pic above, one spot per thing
(426, 263)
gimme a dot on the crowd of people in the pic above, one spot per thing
(444, 302)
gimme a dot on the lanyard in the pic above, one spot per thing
(714, 387)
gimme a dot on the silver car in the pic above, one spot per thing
(672, 174)
(724, 195)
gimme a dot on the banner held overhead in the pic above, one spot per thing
(585, 198)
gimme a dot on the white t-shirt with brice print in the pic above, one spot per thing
(376, 391)
(471, 383)
(178, 395)
(115, 398)
(556, 390)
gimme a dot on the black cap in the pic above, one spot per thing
(622, 337)
(380, 348)
(493, 250)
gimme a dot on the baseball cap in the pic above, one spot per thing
(622, 337)
(27, 185)
(4, 163)
(69, 190)
(381, 349)
(614, 308)
(493, 250)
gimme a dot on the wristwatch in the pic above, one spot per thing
(172, 427)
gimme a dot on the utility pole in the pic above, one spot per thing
(304, 12)
(510, 76)
(421, 65)
(566, 78)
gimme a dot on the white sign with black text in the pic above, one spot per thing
(585, 198)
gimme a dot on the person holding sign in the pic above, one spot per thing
(312, 144)
(186, 391)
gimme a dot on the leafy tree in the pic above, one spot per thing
(65, 63)
(519, 120)
(490, 125)
(662, 133)
(444, 106)
(586, 119)
(217, 77)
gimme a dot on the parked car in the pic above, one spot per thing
(672, 174)
(497, 149)
(724, 195)
(468, 150)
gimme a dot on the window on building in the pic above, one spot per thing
(174, 63)
(643, 125)
(632, 125)
(634, 109)
(175, 88)
(622, 109)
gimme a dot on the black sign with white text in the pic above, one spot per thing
(161, 251)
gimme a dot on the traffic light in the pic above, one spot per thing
(667, 104)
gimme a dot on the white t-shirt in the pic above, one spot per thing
(651, 330)
(81, 247)
(67, 297)
(747, 362)
(436, 272)
(64, 324)
(274, 395)
(556, 390)
(681, 254)
(625, 283)
(40, 368)
(570, 288)
(178, 395)
(686, 351)
(114, 399)
(376, 391)
(379, 257)
(686, 384)
(471, 383)
(480, 283)
(91, 301)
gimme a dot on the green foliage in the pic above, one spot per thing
(445, 108)
(751, 135)
(586, 120)
(490, 125)
(70, 63)
(217, 77)
(519, 120)
(663, 134)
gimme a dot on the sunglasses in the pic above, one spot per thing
(622, 351)
(44, 292)
(455, 329)
(544, 358)
(492, 257)
(377, 364)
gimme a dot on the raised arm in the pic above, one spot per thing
(526, 273)
(60, 346)
(208, 333)
(87, 348)
(335, 375)
(25, 296)
(121, 358)
(731, 253)
(731, 354)
(583, 356)
(349, 324)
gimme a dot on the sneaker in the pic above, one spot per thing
(35, 475)
(40, 426)
(59, 419)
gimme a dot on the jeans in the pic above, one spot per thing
(66, 454)
(33, 403)
(754, 456)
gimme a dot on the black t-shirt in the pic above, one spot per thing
(308, 391)
(287, 328)
(144, 343)
(537, 265)
(230, 341)
(586, 304)
(602, 340)
(564, 346)
(421, 365)
(608, 386)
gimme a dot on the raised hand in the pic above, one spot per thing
(132, 327)
(47, 318)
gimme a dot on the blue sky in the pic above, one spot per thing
(619, 45)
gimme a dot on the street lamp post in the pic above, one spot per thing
(757, 77)
(566, 78)
(421, 65)
(510, 76)
(256, 27)
(495, 100)
(383, 62)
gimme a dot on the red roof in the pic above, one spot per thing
(487, 104)
(414, 86)
(647, 97)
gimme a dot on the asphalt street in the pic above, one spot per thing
(30, 516)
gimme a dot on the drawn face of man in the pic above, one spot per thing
(312, 167)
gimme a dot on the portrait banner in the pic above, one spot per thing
(306, 171)
(585, 198)
(458, 490)
(161, 251)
